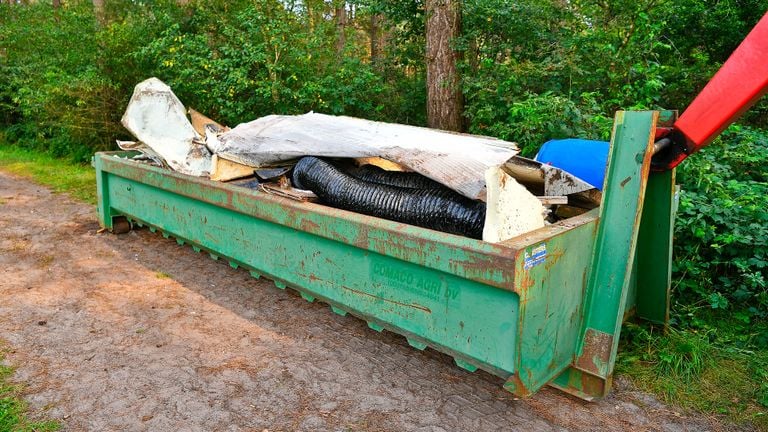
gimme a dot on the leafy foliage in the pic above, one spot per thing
(235, 61)
(721, 237)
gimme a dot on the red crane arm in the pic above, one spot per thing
(739, 83)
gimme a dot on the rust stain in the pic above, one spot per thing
(596, 353)
(523, 281)
(516, 386)
(493, 270)
(309, 225)
(361, 240)
(411, 305)
(593, 385)
(553, 256)
(625, 181)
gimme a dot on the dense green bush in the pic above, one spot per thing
(721, 237)
(532, 70)
(235, 61)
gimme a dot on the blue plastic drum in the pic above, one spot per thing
(586, 159)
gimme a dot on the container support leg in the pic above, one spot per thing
(115, 223)
(654, 249)
(610, 272)
(102, 191)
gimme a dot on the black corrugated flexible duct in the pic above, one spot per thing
(438, 209)
(409, 180)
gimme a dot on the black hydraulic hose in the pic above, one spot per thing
(409, 180)
(438, 209)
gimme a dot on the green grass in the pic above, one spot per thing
(78, 180)
(13, 409)
(698, 370)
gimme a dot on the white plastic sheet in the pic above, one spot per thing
(158, 119)
(458, 161)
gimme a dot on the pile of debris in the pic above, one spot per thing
(461, 184)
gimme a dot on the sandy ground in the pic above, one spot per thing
(133, 332)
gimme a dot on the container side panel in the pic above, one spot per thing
(474, 322)
(102, 195)
(464, 257)
(552, 276)
(630, 305)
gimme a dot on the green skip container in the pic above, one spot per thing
(543, 308)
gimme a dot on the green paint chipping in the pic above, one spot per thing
(62, 176)
(13, 410)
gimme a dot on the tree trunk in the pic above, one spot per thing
(377, 40)
(341, 25)
(445, 103)
(310, 16)
(56, 7)
(98, 10)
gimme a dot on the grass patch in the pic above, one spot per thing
(61, 175)
(13, 409)
(698, 371)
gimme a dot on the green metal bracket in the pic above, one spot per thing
(654, 244)
(654, 249)
(613, 257)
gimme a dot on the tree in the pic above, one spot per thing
(98, 10)
(340, 16)
(444, 99)
(378, 39)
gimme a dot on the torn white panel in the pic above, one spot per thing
(511, 209)
(559, 182)
(212, 138)
(456, 160)
(145, 150)
(158, 119)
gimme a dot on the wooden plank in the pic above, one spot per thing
(224, 169)
(290, 193)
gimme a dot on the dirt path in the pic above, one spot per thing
(134, 332)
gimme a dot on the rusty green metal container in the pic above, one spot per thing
(542, 308)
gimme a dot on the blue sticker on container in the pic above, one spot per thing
(535, 256)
